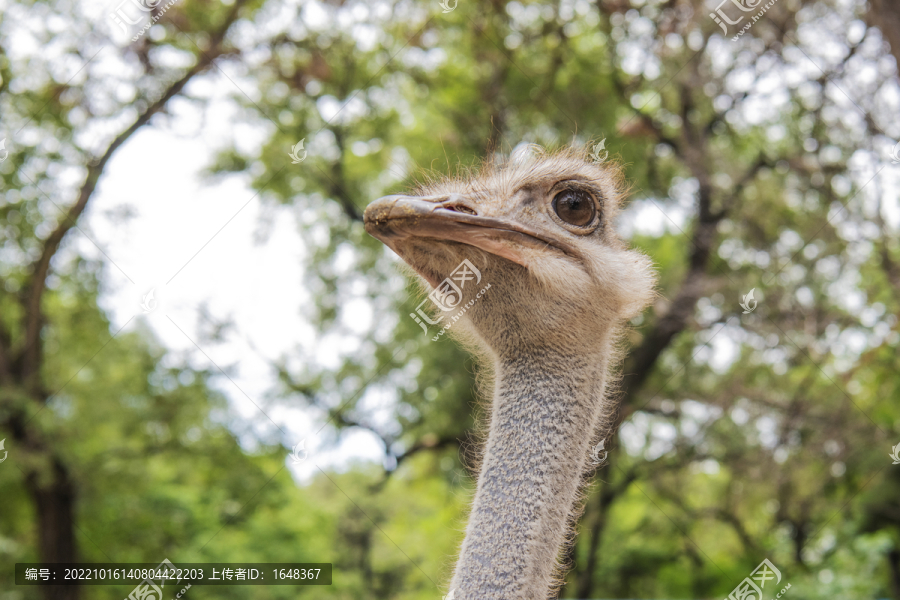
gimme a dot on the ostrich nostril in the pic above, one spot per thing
(460, 208)
(457, 203)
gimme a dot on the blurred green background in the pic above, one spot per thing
(761, 163)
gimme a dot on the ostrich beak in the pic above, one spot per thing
(395, 219)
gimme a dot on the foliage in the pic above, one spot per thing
(755, 164)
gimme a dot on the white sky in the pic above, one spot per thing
(257, 285)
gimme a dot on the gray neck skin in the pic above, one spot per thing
(547, 405)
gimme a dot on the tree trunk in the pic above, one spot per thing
(54, 501)
(885, 14)
(584, 586)
(894, 565)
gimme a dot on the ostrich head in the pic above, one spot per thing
(539, 229)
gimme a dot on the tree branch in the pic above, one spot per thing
(692, 149)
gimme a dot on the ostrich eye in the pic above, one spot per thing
(575, 207)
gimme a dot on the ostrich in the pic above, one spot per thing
(539, 228)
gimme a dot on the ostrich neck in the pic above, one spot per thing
(547, 405)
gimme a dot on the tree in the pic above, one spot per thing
(760, 163)
(40, 214)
